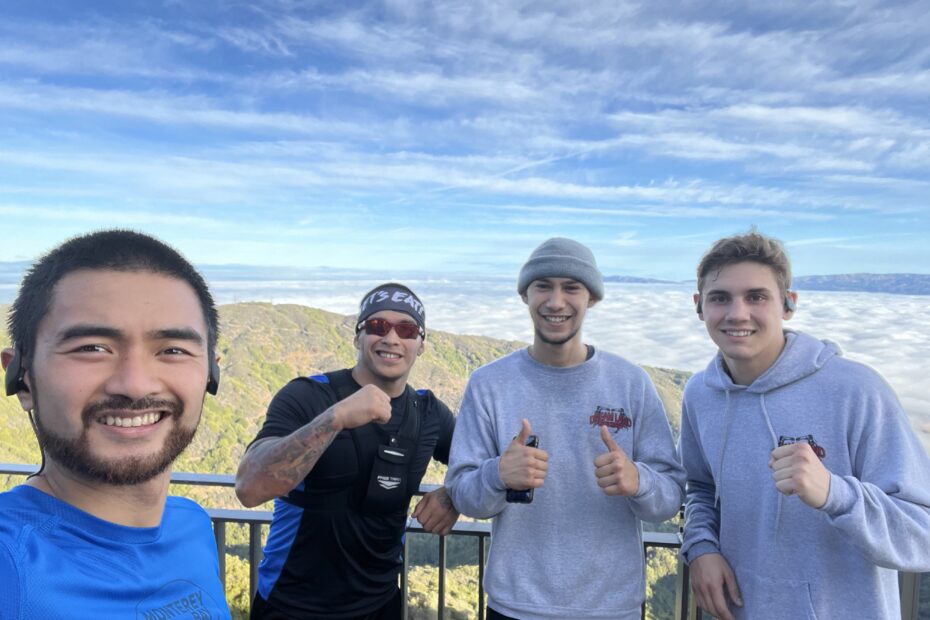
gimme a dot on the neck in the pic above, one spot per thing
(138, 505)
(563, 355)
(391, 387)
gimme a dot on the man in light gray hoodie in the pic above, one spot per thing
(566, 539)
(807, 488)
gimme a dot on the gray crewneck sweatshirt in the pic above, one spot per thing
(791, 560)
(573, 552)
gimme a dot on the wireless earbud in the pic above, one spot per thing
(213, 378)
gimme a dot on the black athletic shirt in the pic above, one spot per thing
(325, 557)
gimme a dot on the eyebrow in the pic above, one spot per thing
(719, 291)
(102, 331)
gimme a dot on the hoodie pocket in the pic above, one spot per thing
(771, 598)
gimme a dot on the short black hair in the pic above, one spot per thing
(116, 250)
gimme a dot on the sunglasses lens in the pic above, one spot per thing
(407, 331)
(377, 327)
(382, 327)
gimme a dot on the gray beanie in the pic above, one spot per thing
(562, 258)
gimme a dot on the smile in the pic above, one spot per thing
(389, 356)
(146, 419)
(556, 319)
(738, 333)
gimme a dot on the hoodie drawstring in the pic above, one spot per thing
(768, 422)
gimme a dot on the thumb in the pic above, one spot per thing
(525, 432)
(609, 441)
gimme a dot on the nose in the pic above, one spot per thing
(556, 298)
(738, 310)
(134, 376)
(391, 336)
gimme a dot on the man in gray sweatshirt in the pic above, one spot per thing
(807, 488)
(566, 540)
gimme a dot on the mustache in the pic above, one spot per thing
(124, 403)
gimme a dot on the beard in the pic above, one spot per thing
(74, 454)
(555, 341)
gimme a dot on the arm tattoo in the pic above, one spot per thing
(287, 460)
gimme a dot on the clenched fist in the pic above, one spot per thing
(369, 404)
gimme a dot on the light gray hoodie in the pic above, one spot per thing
(791, 560)
(573, 552)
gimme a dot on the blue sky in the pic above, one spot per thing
(455, 136)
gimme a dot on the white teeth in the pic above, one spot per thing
(390, 356)
(139, 420)
(556, 319)
(742, 332)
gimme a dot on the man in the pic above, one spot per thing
(114, 336)
(807, 489)
(572, 547)
(342, 454)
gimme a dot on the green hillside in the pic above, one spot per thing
(262, 347)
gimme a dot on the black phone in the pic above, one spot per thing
(525, 496)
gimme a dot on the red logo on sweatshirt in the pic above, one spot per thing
(808, 439)
(611, 418)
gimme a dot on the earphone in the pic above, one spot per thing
(790, 306)
(213, 377)
(15, 373)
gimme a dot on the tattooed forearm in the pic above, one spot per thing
(273, 467)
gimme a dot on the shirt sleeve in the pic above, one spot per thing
(702, 516)
(294, 406)
(884, 506)
(473, 479)
(661, 477)
(10, 587)
(446, 429)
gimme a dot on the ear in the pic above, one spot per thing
(696, 298)
(524, 298)
(421, 348)
(592, 302)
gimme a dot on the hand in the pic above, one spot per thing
(369, 404)
(436, 513)
(712, 582)
(798, 471)
(522, 467)
(616, 473)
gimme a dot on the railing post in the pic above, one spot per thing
(482, 556)
(219, 533)
(255, 557)
(441, 606)
(909, 587)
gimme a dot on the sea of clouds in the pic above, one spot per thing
(652, 324)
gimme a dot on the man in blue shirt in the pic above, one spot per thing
(114, 336)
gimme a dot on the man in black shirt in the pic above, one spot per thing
(342, 454)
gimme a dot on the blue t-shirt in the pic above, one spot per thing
(59, 562)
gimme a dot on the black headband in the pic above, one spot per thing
(395, 297)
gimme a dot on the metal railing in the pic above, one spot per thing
(685, 608)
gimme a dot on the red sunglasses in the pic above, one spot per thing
(383, 327)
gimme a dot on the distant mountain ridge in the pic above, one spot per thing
(897, 283)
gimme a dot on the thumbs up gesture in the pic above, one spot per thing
(522, 467)
(616, 473)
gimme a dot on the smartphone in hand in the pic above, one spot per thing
(525, 496)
